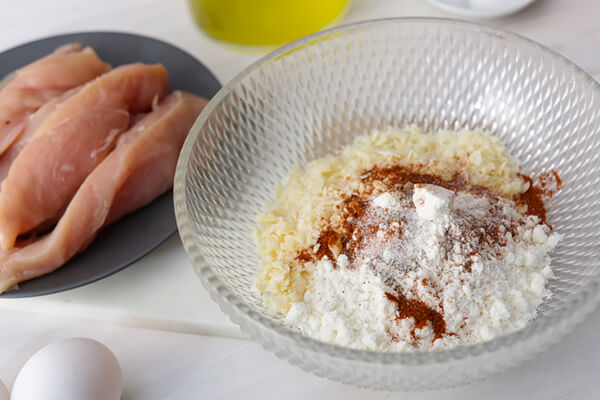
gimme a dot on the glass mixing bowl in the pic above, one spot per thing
(313, 96)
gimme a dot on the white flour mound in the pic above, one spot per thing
(345, 307)
(481, 289)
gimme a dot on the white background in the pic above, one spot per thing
(167, 365)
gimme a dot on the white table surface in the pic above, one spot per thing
(161, 364)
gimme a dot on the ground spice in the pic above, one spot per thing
(470, 261)
(326, 243)
(422, 314)
(490, 231)
(532, 198)
(468, 265)
(304, 256)
(557, 179)
(549, 183)
(398, 176)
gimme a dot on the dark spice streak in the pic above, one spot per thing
(304, 256)
(470, 261)
(549, 183)
(532, 198)
(557, 179)
(422, 314)
(329, 245)
(350, 236)
(355, 236)
(397, 175)
(468, 265)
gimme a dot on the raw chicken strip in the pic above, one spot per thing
(131, 87)
(34, 121)
(50, 169)
(33, 85)
(139, 169)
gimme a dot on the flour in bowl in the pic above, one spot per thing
(410, 253)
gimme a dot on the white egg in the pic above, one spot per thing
(3, 392)
(71, 369)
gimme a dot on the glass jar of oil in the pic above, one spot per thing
(265, 22)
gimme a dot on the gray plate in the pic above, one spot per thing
(135, 235)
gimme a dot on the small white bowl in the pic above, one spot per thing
(482, 8)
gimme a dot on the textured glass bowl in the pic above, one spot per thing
(313, 96)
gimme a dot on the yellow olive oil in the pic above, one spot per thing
(264, 22)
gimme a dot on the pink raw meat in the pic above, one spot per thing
(139, 169)
(51, 167)
(33, 85)
(33, 122)
(131, 87)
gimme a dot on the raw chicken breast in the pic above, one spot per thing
(139, 169)
(34, 121)
(50, 169)
(33, 85)
(132, 87)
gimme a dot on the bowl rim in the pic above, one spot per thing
(588, 293)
